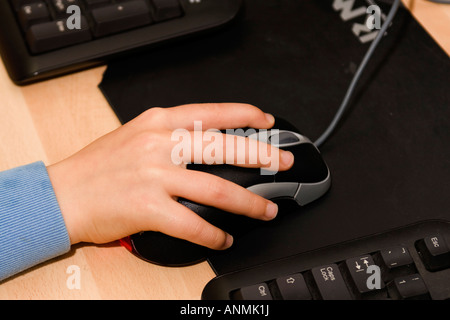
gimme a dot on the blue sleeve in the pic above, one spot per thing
(32, 229)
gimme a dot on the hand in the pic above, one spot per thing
(126, 182)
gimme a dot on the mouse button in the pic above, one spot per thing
(278, 138)
(275, 190)
(285, 138)
(282, 124)
(308, 166)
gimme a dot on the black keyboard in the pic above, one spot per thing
(45, 38)
(408, 263)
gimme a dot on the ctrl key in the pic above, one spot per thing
(258, 291)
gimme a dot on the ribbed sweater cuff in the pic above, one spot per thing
(32, 228)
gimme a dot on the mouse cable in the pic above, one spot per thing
(357, 75)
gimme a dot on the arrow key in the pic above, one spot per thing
(293, 287)
(365, 277)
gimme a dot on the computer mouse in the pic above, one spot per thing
(307, 180)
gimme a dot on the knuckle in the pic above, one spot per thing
(215, 107)
(154, 111)
(149, 141)
(255, 205)
(217, 191)
(218, 109)
(218, 240)
(208, 235)
(147, 176)
(154, 173)
(155, 114)
(193, 230)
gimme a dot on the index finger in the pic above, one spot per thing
(213, 116)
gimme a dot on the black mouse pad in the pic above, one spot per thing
(389, 158)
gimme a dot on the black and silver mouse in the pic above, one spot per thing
(307, 180)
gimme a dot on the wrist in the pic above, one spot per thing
(63, 188)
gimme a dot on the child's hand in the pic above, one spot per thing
(126, 182)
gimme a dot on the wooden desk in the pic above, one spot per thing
(51, 120)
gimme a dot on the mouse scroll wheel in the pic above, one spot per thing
(282, 138)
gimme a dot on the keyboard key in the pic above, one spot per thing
(55, 34)
(395, 262)
(256, 292)
(396, 257)
(435, 252)
(330, 283)
(33, 13)
(166, 9)
(19, 3)
(293, 287)
(408, 287)
(364, 281)
(120, 16)
(60, 6)
(91, 4)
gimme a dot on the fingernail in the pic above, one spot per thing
(228, 241)
(270, 118)
(271, 211)
(287, 158)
